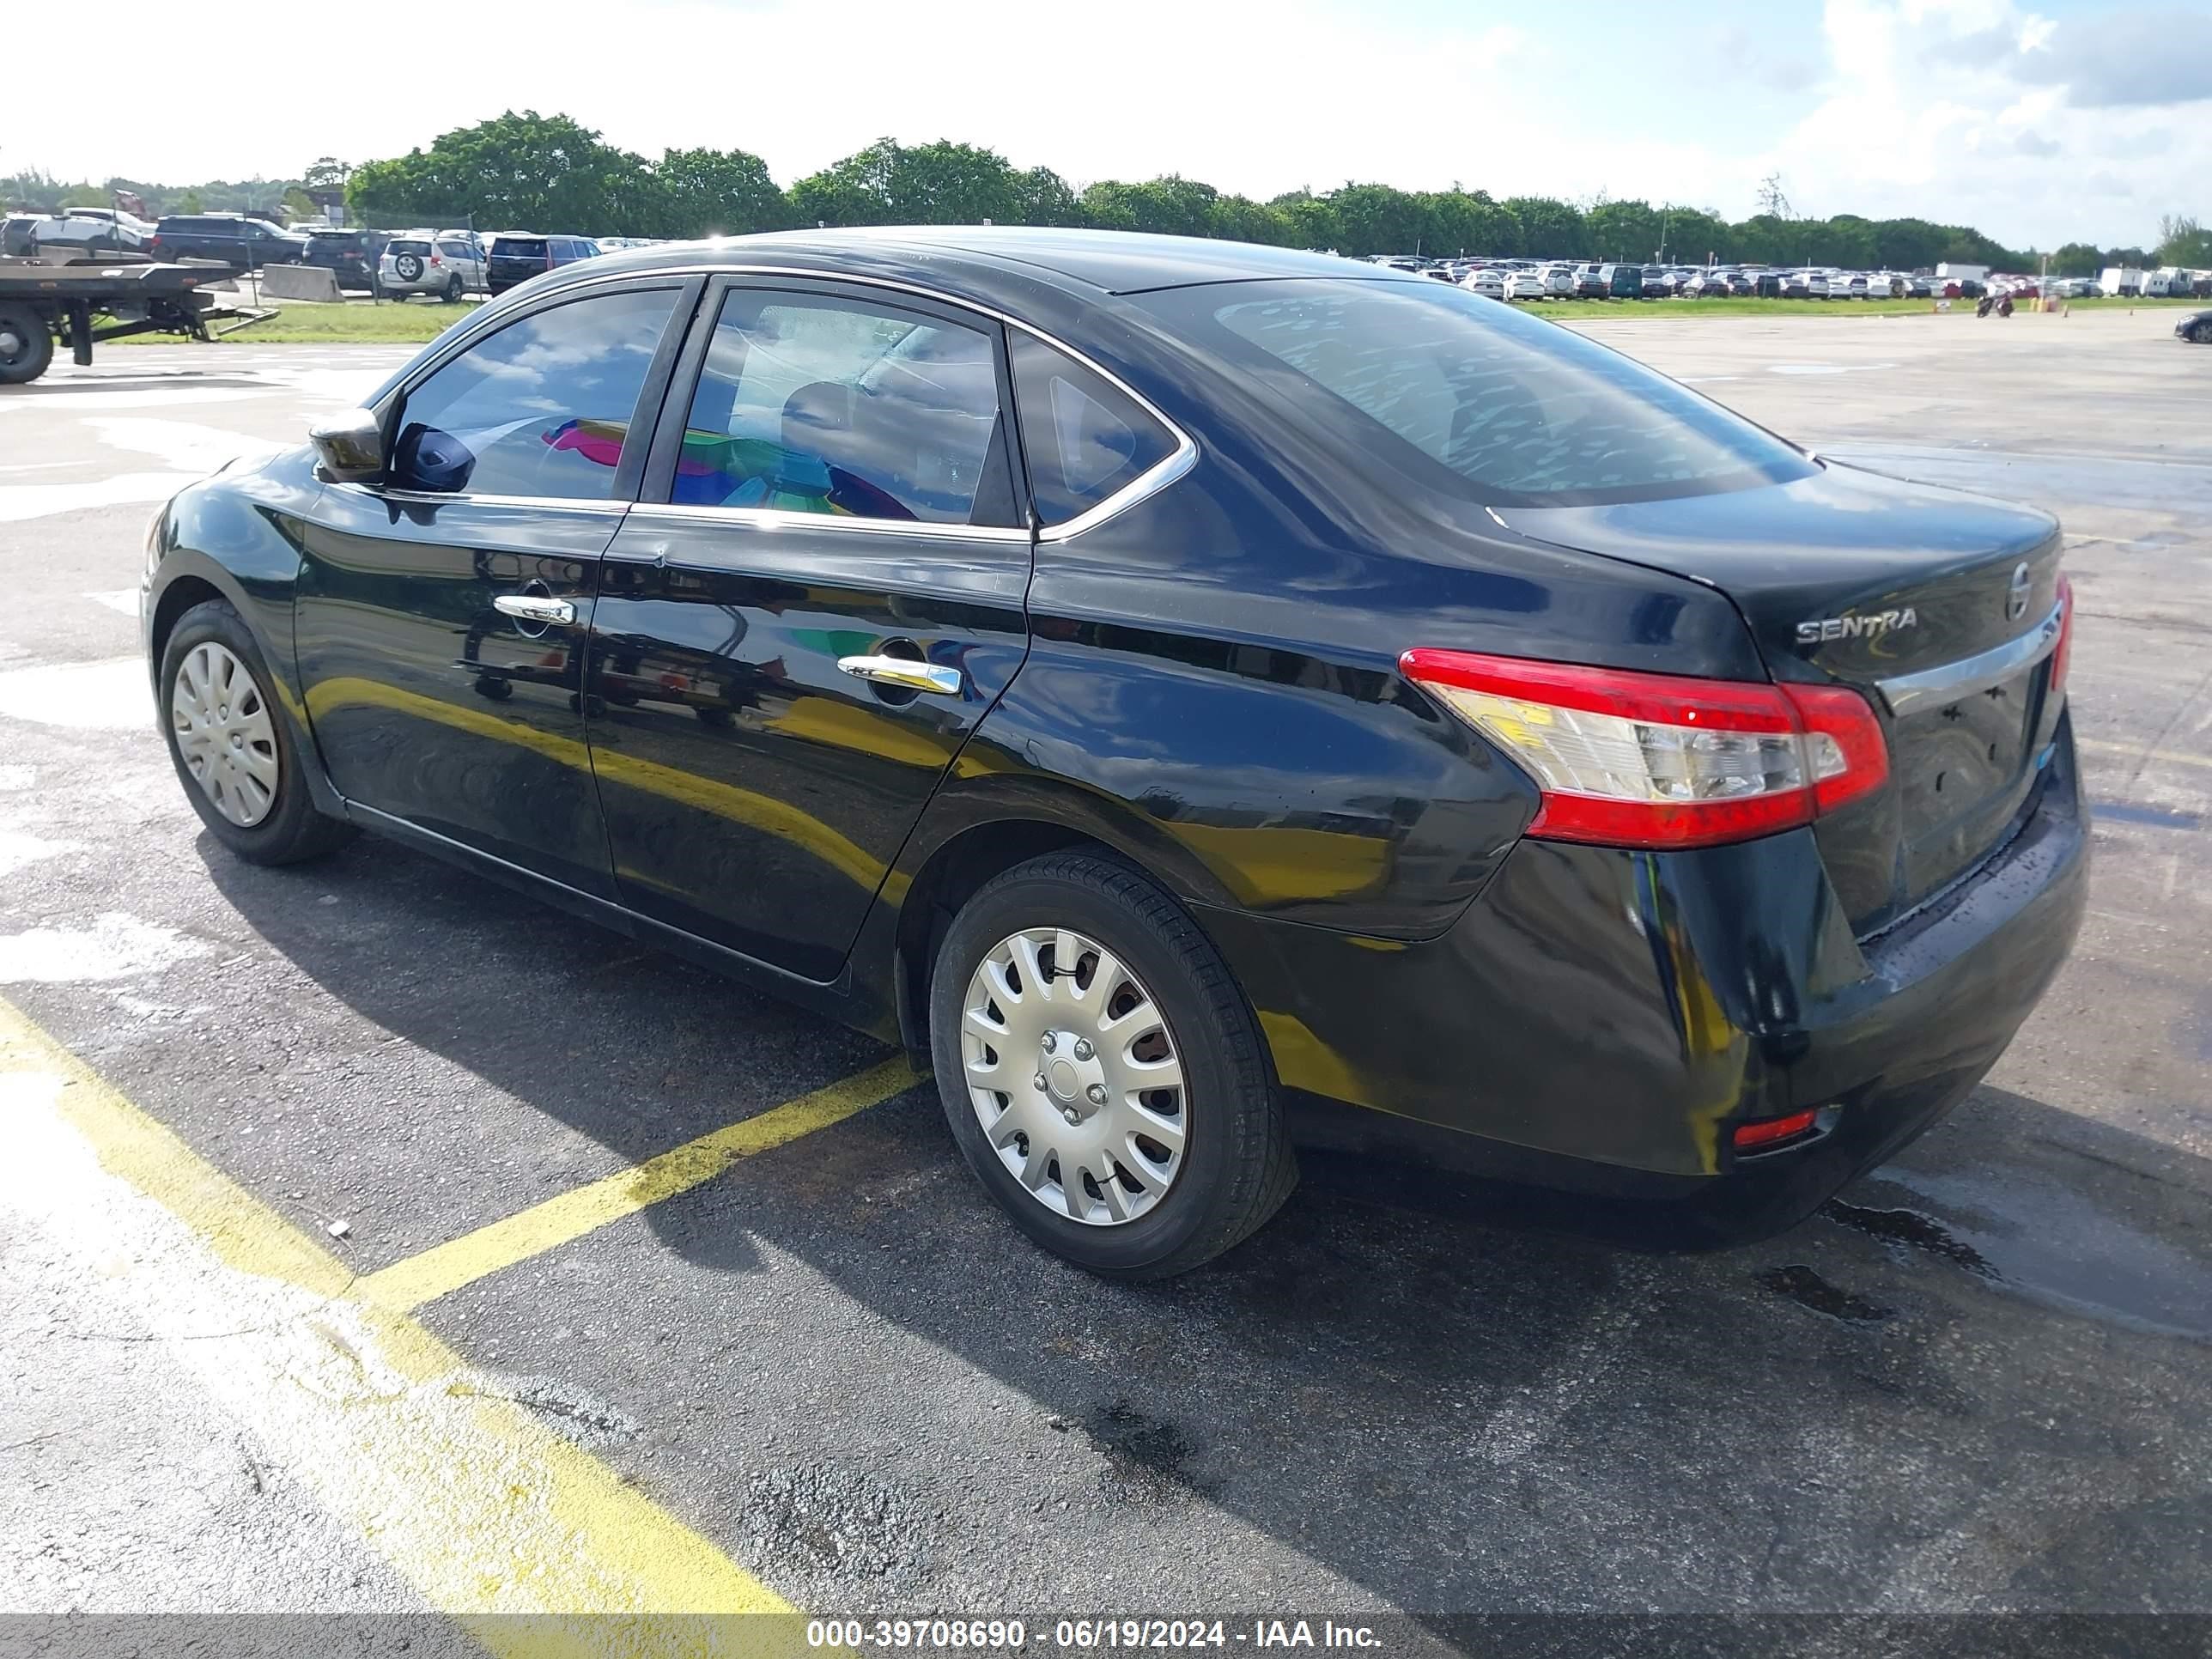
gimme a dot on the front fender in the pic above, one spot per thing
(239, 533)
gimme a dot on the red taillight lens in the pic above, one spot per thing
(2062, 652)
(1631, 759)
(435, 260)
(1751, 1137)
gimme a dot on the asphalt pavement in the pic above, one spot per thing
(1976, 1383)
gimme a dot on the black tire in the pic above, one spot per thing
(293, 830)
(2200, 334)
(1238, 1165)
(452, 290)
(35, 351)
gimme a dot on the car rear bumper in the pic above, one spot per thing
(1600, 1020)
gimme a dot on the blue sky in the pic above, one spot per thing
(2038, 122)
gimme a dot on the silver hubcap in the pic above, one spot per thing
(224, 732)
(11, 343)
(1075, 1077)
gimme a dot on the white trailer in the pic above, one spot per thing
(1958, 273)
(2120, 282)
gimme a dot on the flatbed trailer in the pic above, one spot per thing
(86, 302)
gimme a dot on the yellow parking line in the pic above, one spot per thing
(532, 1545)
(424, 1278)
(2131, 751)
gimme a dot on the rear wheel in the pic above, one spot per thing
(1100, 1072)
(231, 745)
(27, 345)
(452, 290)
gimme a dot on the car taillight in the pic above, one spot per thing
(1768, 1131)
(1630, 759)
(435, 260)
(2062, 652)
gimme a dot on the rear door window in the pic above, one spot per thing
(1477, 400)
(1085, 440)
(542, 408)
(818, 404)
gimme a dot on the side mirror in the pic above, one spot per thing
(350, 446)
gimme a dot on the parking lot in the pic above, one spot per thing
(808, 1360)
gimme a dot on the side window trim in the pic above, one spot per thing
(623, 489)
(1155, 478)
(656, 484)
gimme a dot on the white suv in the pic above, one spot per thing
(445, 262)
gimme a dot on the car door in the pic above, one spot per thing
(441, 613)
(819, 594)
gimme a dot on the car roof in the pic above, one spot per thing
(1078, 261)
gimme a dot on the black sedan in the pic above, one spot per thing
(1202, 699)
(2196, 328)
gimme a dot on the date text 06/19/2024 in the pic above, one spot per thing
(984, 1634)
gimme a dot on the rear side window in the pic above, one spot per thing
(542, 408)
(1477, 400)
(1085, 440)
(838, 407)
(456, 251)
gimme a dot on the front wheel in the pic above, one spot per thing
(1100, 1072)
(232, 746)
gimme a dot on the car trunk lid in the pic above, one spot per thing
(1940, 606)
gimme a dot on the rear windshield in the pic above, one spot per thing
(520, 247)
(405, 246)
(1473, 397)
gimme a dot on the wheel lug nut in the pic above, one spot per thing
(1038, 1079)
(1097, 1093)
(1051, 1041)
(1072, 1116)
(1082, 1050)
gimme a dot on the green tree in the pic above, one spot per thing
(1622, 230)
(2183, 241)
(298, 204)
(1172, 206)
(1378, 219)
(940, 184)
(1696, 237)
(1309, 220)
(2076, 259)
(714, 192)
(1041, 197)
(189, 203)
(1550, 228)
(543, 172)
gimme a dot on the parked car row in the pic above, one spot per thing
(446, 265)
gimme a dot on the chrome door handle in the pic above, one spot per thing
(535, 607)
(903, 672)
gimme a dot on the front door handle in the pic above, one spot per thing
(904, 671)
(540, 608)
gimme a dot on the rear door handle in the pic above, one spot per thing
(535, 607)
(904, 671)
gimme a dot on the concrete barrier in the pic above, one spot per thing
(299, 282)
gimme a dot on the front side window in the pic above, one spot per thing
(1085, 440)
(1475, 399)
(842, 408)
(542, 408)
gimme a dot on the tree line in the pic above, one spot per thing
(550, 173)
